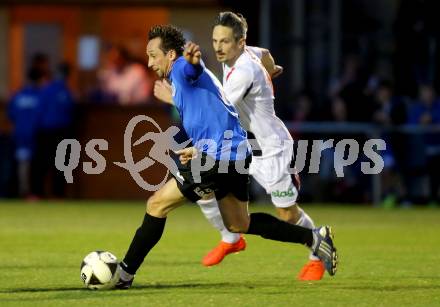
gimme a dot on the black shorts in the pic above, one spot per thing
(221, 183)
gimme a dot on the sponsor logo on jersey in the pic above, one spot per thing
(202, 192)
(288, 193)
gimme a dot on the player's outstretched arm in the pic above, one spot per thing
(268, 61)
(163, 92)
(193, 68)
(192, 53)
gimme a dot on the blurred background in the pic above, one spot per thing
(352, 69)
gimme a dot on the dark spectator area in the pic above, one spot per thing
(357, 70)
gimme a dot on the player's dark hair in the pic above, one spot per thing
(234, 21)
(171, 36)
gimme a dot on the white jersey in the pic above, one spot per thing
(249, 88)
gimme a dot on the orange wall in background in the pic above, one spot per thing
(129, 26)
(115, 25)
(65, 16)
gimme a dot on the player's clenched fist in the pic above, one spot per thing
(192, 53)
(162, 91)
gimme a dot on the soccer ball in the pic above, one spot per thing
(100, 270)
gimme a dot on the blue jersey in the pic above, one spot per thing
(57, 105)
(208, 119)
(24, 110)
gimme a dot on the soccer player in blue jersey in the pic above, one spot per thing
(247, 83)
(213, 125)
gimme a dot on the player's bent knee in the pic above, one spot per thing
(290, 214)
(156, 207)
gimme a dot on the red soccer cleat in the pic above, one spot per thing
(313, 270)
(216, 255)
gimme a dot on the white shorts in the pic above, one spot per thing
(272, 173)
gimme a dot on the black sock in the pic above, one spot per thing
(269, 227)
(144, 240)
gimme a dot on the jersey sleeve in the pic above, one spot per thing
(238, 85)
(256, 51)
(192, 72)
(187, 72)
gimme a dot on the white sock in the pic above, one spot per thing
(212, 213)
(306, 221)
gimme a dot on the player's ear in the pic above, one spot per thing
(172, 55)
(242, 42)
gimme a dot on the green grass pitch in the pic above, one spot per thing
(387, 258)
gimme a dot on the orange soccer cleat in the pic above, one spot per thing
(216, 255)
(313, 270)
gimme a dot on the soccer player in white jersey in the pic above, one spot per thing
(247, 73)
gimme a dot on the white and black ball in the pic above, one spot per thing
(100, 270)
